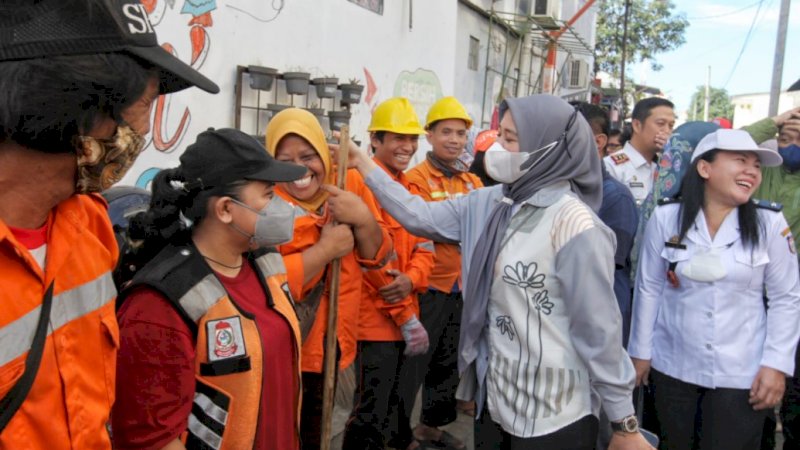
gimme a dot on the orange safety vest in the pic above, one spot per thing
(229, 360)
(307, 230)
(432, 185)
(69, 403)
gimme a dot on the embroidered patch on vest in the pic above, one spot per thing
(619, 158)
(225, 339)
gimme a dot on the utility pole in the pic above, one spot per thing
(777, 68)
(708, 96)
(622, 65)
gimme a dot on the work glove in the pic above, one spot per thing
(415, 336)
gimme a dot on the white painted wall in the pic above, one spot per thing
(751, 108)
(333, 37)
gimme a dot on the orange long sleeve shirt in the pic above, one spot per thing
(307, 230)
(432, 185)
(381, 321)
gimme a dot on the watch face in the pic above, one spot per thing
(630, 424)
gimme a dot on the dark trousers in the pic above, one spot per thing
(440, 314)
(580, 435)
(790, 414)
(376, 367)
(698, 418)
(311, 411)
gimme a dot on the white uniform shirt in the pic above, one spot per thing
(630, 168)
(716, 333)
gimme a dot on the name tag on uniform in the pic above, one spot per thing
(674, 245)
(636, 184)
(225, 339)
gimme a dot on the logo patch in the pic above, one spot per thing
(225, 339)
(619, 158)
(787, 233)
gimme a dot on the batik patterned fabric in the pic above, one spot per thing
(675, 160)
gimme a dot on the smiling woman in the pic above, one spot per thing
(294, 135)
(701, 333)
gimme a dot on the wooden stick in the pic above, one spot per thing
(330, 368)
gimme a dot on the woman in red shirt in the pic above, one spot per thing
(209, 341)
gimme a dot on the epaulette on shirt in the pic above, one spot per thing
(668, 200)
(772, 206)
(619, 158)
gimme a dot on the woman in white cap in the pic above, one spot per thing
(715, 354)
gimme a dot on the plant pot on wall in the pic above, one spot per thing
(261, 78)
(338, 119)
(326, 87)
(319, 113)
(275, 108)
(351, 93)
(296, 82)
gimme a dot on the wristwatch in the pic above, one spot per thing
(627, 425)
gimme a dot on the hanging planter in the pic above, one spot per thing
(261, 78)
(326, 87)
(275, 108)
(318, 112)
(338, 119)
(297, 82)
(351, 92)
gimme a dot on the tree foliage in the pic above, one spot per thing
(719, 104)
(653, 27)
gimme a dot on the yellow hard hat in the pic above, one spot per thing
(395, 115)
(447, 108)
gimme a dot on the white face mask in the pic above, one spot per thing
(507, 167)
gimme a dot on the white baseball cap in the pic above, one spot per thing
(736, 141)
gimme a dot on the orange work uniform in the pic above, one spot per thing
(69, 403)
(307, 230)
(431, 184)
(381, 321)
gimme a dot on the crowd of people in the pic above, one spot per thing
(567, 272)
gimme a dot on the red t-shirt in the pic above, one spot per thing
(156, 369)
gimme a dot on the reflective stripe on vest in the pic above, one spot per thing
(203, 433)
(75, 303)
(270, 264)
(202, 296)
(425, 245)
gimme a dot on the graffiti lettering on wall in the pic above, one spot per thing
(169, 127)
(421, 88)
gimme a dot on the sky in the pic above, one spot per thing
(715, 37)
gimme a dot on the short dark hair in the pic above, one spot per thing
(644, 107)
(597, 116)
(46, 102)
(614, 132)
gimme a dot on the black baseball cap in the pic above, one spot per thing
(40, 28)
(219, 157)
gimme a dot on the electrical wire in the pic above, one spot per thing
(729, 13)
(744, 46)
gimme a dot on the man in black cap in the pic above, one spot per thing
(77, 82)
